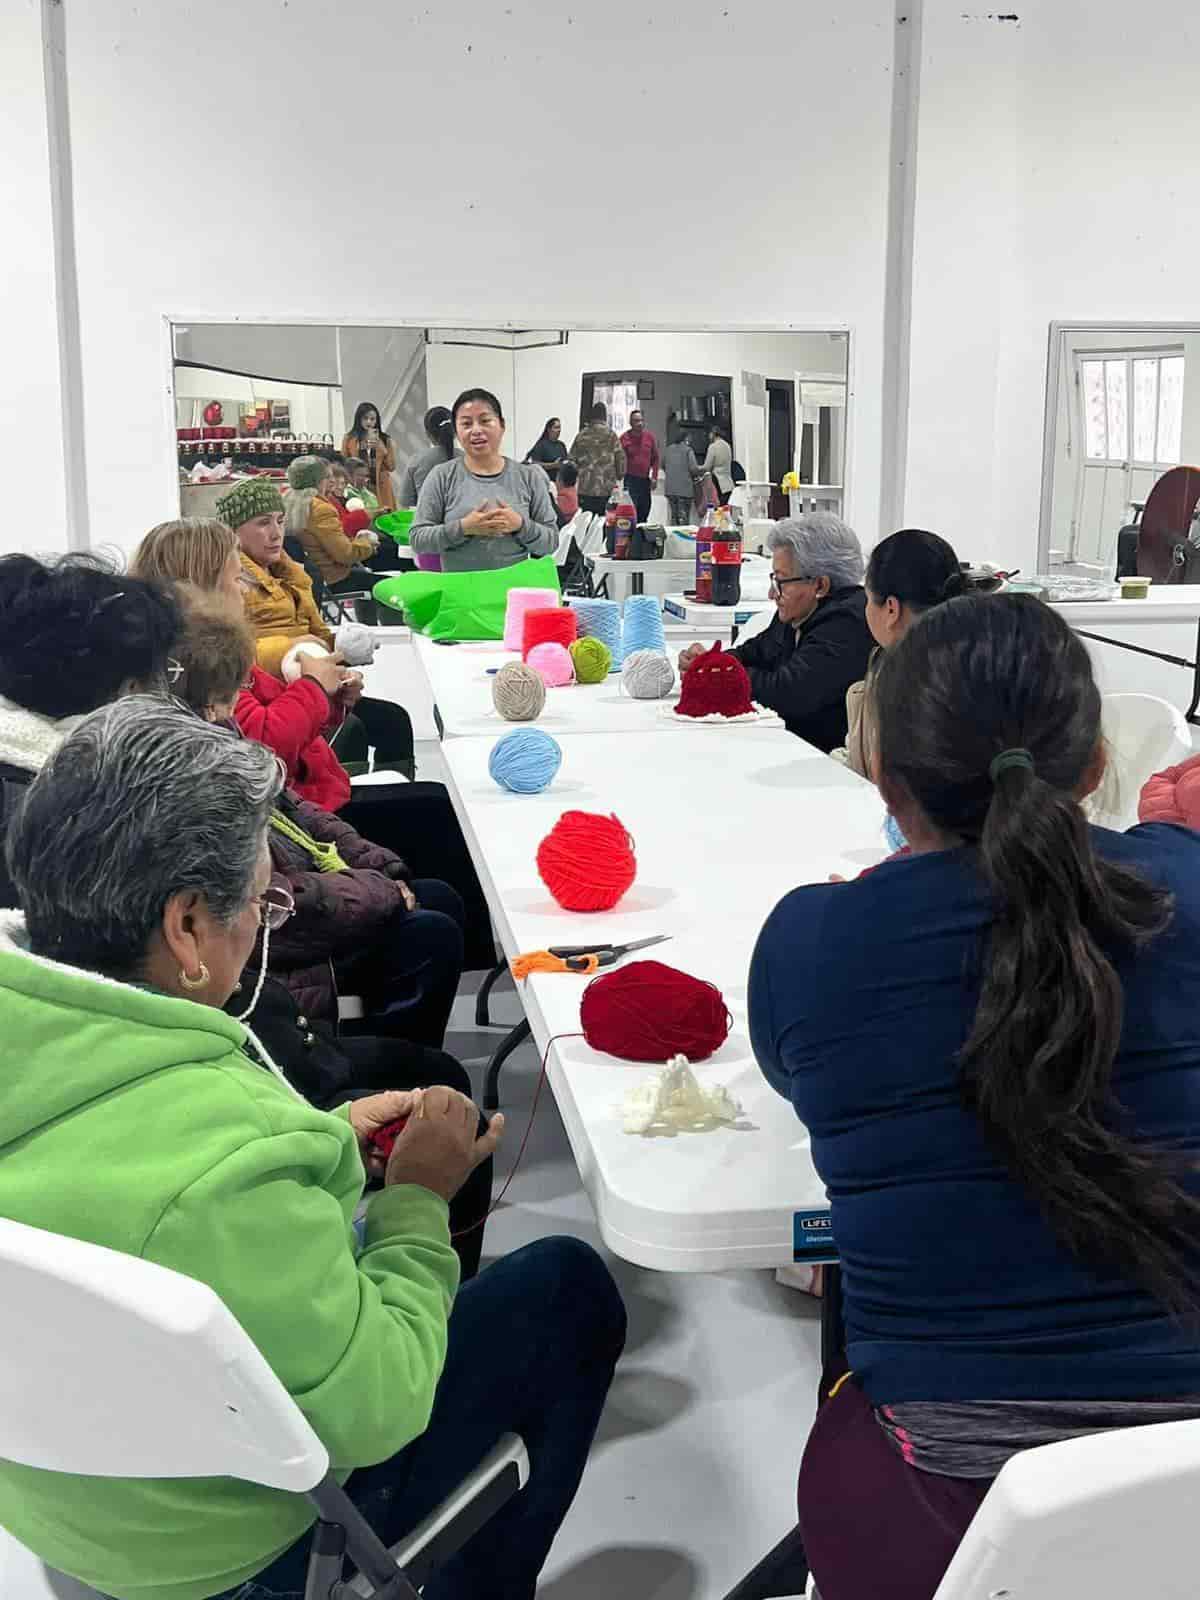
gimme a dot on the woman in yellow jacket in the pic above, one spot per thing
(367, 442)
(311, 517)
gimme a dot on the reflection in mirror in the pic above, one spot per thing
(765, 415)
(1123, 410)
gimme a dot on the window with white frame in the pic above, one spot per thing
(621, 400)
(1132, 408)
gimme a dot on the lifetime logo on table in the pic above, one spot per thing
(812, 1237)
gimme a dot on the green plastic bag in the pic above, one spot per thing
(396, 524)
(463, 605)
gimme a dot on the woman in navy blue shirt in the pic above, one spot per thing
(995, 1046)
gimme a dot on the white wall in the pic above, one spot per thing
(449, 217)
(451, 368)
(30, 398)
(1056, 179)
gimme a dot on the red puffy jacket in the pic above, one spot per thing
(290, 718)
(1173, 796)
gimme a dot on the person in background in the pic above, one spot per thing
(367, 442)
(216, 651)
(992, 1045)
(311, 516)
(439, 430)
(354, 522)
(141, 863)
(641, 464)
(75, 634)
(817, 645)
(359, 475)
(483, 510)
(718, 463)
(416, 820)
(549, 452)
(598, 454)
(683, 473)
(567, 495)
(277, 594)
(907, 575)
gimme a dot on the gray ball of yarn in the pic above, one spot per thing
(648, 675)
(518, 692)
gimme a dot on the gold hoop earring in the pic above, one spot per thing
(198, 982)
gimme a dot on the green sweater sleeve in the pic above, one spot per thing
(359, 1343)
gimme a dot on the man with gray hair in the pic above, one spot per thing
(818, 643)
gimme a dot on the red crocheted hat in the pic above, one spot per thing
(715, 682)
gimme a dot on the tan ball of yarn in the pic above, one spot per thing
(518, 692)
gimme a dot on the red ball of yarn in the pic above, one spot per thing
(650, 1012)
(548, 625)
(587, 861)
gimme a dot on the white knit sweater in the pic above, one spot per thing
(27, 739)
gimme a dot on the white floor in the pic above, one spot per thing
(693, 1475)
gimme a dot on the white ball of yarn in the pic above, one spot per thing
(356, 642)
(648, 675)
(289, 669)
(518, 692)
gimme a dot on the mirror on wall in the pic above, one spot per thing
(1122, 409)
(250, 396)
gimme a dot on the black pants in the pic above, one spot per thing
(380, 725)
(639, 493)
(417, 821)
(597, 504)
(381, 1064)
(356, 579)
(408, 974)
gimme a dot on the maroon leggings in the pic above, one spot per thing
(872, 1525)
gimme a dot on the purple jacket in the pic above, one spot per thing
(337, 913)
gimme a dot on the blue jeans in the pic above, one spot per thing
(533, 1344)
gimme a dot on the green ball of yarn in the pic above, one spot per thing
(593, 660)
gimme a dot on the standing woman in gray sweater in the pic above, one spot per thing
(483, 509)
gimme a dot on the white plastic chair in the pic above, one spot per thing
(1144, 734)
(111, 1366)
(1108, 1517)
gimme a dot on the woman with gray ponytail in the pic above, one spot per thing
(993, 1044)
(137, 1115)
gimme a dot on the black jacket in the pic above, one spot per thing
(804, 673)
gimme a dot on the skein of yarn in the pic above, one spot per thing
(643, 624)
(518, 692)
(587, 861)
(525, 762)
(552, 663)
(647, 1011)
(593, 660)
(647, 675)
(601, 619)
(543, 626)
(289, 667)
(517, 605)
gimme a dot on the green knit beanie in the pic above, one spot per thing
(253, 497)
(306, 472)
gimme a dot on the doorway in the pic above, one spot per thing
(781, 440)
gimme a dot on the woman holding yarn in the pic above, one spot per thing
(139, 1116)
(992, 1043)
(367, 442)
(298, 719)
(907, 575)
(818, 643)
(483, 510)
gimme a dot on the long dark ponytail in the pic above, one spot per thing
(439, 428)
(977, 677)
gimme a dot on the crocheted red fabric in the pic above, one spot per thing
(716, 681)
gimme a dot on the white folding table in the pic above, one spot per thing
(726, 821)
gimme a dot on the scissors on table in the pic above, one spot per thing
(585, 958)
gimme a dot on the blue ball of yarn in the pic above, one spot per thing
(525, 761)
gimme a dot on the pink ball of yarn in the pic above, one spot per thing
(552, 664)
(517, 605)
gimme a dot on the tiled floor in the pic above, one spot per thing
(693, 1477)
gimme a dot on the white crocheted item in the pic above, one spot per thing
(668, 711)
(675, 1101)
(27, 739)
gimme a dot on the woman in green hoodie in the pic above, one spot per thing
(136, 1114)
